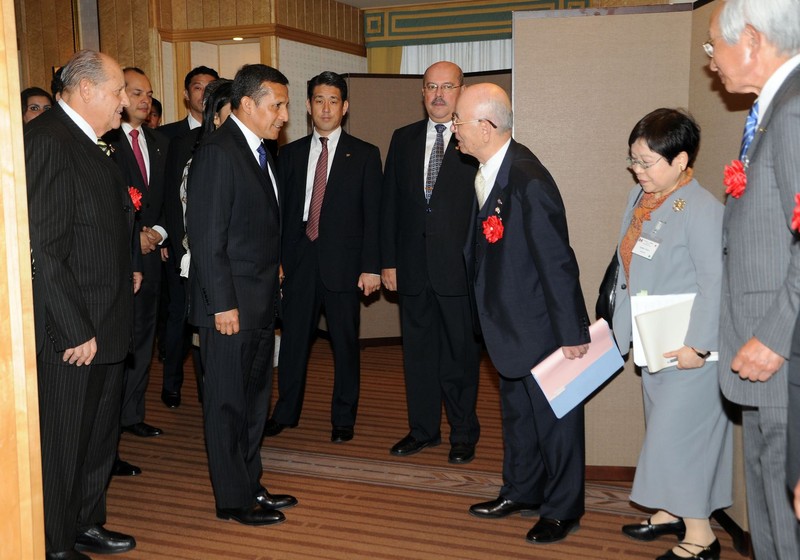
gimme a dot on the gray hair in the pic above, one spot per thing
(500, 114)
(778, 20)
(84, 64)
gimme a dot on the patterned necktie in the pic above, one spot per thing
(480, 188)
(318, 193)
(105, 146)
(262, 157)
(749, 130)
(435, 162)
(137, 153)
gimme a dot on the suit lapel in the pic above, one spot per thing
(418, 165)
(494, 202)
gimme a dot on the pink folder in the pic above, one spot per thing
(567, 383)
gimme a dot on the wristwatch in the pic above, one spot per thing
(703, 355)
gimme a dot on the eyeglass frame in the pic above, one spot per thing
(708, 46)
(642, 165)
(456, 123)
(447, 87)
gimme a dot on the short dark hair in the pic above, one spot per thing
(328, 78)
(248, 80)
(198, 71)
(668, 132)
(56, 84)
(133, 69)
(33, 92)
(156, 107)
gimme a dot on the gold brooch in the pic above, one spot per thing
(678, 205)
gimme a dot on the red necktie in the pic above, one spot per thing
(137, 153)
(318, 193)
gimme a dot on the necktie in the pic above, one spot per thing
(435, 162)
(262, 157)
(318, 193)
(103, 145)
(137, 153)
(480, 188)
(749, 130)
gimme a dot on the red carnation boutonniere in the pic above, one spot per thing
(796, 213)
(735, 179)
(493, 228)
(136, 197)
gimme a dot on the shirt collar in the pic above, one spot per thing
(193, 122)
(79, 120)
(492, 166)
(333, 137)
(774, 83)
(252, 138)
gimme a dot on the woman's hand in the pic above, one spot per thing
(687, 358)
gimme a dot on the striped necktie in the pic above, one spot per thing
(749, 130)
(318, 191)
(435, 161)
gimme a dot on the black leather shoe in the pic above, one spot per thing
(649, 532)
(710, 552)
(171, 399)
(461, 453)
(273, 428)
(253, 515)
(124, 468)
(142, 430)
(501, 507)
(100, 540)
(551, 530)
(410, 445)
(66, 555)
(275, 501)
(341, 434)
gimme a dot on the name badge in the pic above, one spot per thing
(645, 247)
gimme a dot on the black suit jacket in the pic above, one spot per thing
(348, 241)
(425, 241)
(175, 129)
(527, 290)
(78, 209)
(233, 222)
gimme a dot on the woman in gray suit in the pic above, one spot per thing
(670, 243)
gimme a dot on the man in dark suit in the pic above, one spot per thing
(80, 234)
(330, 253)
(140, 154)
(754, 47)
(233, 223)
(529, 304)
(426, 212)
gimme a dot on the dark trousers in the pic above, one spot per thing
(236, 397)
(544, 457)
(178, 334)
(79, 426)
(304, 295)
(441, 356)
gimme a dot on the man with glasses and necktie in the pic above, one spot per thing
(754, 46)
(426, 211)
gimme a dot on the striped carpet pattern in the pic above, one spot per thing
(356, 500)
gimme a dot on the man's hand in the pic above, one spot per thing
(756, 362)
(572, 352)
(81, 355)
(150, 240)
(227, 322)
(797, 500)
(389, 278)
(137, 281)
(687, 358)
(164, 254)
(368, 283)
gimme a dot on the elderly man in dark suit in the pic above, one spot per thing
(331, 206)
(233, 223)
(755, 48)
(529, 304)
(79, 210)
(425, 215)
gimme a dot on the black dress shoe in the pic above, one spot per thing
(551, 530)
(341, 434)
(461, 453)
(66, 555)
(410, 445)
(273, 428)
(275, 501)
(100, 540)
(252, 515)
(124, 468)
(501, 507)
(142, 430)
(171, 399)
(649, 532)
(710, 552)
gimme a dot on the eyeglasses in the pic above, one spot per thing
(642, 165)
(708, 46)
(445, 88)
(457, 123)
(36, 108)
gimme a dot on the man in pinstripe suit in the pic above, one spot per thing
(80, 233)
(755, 48)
